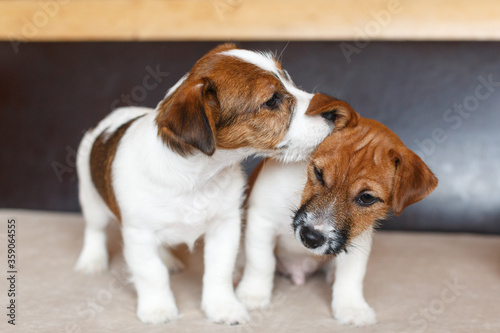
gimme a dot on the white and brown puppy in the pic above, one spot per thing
(172, 174)
(355, 177)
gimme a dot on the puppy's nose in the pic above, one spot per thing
(311, 238)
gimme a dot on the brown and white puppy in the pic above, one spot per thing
(355, 177)
(172, 174)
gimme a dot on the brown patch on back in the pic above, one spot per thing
(101, 159)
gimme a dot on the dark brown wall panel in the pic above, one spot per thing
(434, 95)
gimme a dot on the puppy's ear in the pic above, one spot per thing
(186, 119)
(334, 110)
(413, 179)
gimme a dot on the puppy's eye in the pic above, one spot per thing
(365, 199)
(273, 102)
(319, 175)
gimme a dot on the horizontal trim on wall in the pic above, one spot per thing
(92, 20)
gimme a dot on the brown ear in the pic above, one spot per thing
(186, 120)
(330, 108)
(413, 180)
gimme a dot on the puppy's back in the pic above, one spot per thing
(96, 151)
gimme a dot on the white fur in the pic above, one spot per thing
(167, 199)
(276, 192)
(348, 304)
(301, 138)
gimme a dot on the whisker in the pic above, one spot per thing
(280, 57)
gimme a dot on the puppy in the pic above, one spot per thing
(355, 177)
(172, 174)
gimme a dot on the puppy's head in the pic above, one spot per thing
(355, 177)
(239, 99)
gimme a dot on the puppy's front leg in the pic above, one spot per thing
(221, 246)
(256, 286)
(156, 302)
(348, 304)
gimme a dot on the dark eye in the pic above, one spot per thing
(366, 199)
(319, 175)
(273, 102)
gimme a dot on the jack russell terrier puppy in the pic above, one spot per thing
(173, 174)
(354, 178)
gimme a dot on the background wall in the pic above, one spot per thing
(441, 98)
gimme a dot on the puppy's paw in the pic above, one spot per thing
(357, 315)
(226, 311)
(92, 262)
(157, 313)
(253, 298)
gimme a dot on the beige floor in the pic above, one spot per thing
(416, 282)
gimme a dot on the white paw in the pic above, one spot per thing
(229, 312)
(157, 314)
(252, 298)
(92, 262)
(361, 315)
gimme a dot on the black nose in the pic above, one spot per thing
(311, 238)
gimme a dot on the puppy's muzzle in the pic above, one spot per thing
(329, 240)
(311, 238)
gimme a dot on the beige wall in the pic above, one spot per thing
(249, 19)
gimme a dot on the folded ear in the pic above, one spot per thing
(413, 180)
(332, 109)
(186, 119)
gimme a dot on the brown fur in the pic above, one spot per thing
(101, 158)
(187, 118)
(367, 157)
(221, 105)
(344, 115)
